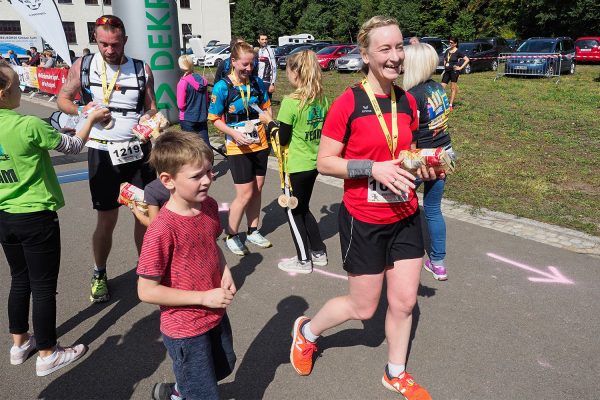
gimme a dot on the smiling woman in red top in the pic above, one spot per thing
(380, 231)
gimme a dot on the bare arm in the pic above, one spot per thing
(150, 95)
(70, 89)
(151, 291)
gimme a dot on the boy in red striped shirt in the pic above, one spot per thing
(182, 269)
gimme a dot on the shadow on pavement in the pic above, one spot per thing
(269, 350)
(69, 159)
(274, 217)
(328, 223)
(124, 297)
(115, 368)
(220, 168)
(244, 268)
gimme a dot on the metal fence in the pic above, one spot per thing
(543, 65)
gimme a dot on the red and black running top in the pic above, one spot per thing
(352, 121)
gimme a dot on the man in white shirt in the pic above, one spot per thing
(267, 68)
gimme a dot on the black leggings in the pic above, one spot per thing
(31, 243)
(303, 224)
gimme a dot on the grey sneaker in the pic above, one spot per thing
(235, 245)
(319, 258)
(62, 357)
(164, 391)
(18, 355)
(295, 265)
(258, 239)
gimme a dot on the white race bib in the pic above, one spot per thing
(125, 152)
(379, 193)
(249, 130)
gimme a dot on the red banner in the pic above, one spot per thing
(50, 80)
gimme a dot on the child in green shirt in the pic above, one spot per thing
(299, 125)
(29, 231)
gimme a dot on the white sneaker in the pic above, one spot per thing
(319, 258)
(235, 245)
(258, 239)
(18, 355)
(61, 357)
(296, 266)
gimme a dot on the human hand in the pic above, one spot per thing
(99, 114)
(217, 298)
(89, 106)
(428, 174)
(390, 174)
(265, 117)
(240, 139)
(271, 88)
(227, 282)
(147, 115)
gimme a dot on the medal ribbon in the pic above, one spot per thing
(107, 89)
(392, 140)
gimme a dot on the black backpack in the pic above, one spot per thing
(86, 93)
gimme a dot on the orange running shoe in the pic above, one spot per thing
(405, 385)
(301, 353)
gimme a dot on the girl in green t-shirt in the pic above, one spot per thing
(29, 231)
(298, 128)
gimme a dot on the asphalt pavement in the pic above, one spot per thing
(517, 319)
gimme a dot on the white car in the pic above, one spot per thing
(214, 56)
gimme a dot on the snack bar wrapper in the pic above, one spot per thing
(150, 127)
(132, 196)
(437, 158)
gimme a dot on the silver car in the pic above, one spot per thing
(351, 62)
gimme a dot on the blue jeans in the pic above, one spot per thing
(432, 205)
(201, 361)
(201, 128)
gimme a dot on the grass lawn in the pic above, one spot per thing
(528, 147)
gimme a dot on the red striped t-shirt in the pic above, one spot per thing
(182, 252)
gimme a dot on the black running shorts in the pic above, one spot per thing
(106, 179)
(450, 76)
(367, 249)
(245, 167)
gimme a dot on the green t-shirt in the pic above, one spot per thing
(307, 124)
(28, 182)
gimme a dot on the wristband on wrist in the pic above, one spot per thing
(360, 168)
(80, 110)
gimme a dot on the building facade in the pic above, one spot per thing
(209, 19)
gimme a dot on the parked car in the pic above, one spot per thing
(327, 55)
(514, 44)
(282, 63)
(482, 56)
(553, 55)
(500, 45)
(284, 50)
(440, 46)
(214, 56)
(351, 62)
(587, 49)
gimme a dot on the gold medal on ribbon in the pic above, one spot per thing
(392, 139)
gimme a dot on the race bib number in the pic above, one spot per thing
(125, 152)
(249, 131)
(379, 193)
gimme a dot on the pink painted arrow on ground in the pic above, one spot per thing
(553, 276)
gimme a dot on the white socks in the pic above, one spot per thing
(307, 333)
(395, 370)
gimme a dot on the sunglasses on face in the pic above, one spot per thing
(112, 21)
